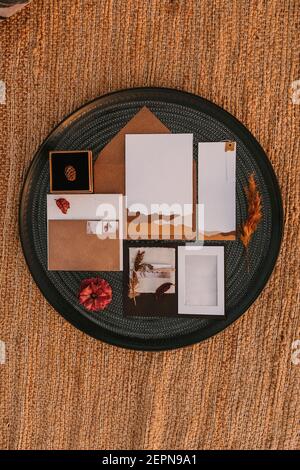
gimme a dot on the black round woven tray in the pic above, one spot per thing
(92, 127)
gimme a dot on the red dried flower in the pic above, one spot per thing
(95, 294)
(63, 204)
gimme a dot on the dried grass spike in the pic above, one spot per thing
(133, 283)
(254, 214)
(138, 260)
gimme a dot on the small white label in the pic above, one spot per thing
(295, 92)
(110, 226)
(2, 352)
(295, 357)
(2, 92)
(94, 227)
(101, 227)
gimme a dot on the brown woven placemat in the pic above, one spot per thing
(61, 389)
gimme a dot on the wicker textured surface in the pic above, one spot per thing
(62, 389)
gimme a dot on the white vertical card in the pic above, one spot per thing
(216, 187)
(159, 169)
(201, 281)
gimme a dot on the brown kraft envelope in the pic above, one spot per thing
(109, 168)
(71, 248)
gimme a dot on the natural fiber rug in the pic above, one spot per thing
(59, 388)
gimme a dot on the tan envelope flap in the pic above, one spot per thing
(109, 168)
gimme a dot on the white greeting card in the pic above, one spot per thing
(159, 180)
(216, 190)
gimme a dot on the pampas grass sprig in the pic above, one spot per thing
(254, 215)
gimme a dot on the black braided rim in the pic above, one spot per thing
(92, 126)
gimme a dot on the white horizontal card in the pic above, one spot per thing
(84, 206)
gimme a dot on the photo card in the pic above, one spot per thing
(150, 280)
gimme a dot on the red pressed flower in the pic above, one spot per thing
(63, 204)
(95, 294)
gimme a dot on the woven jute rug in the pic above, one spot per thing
(61, 389)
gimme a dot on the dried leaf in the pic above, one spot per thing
(63, 204)
(139, 266)
(254, 214)
(138, 260)
(145, 268)
(161, 290)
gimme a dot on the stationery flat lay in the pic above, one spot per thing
(152, 219)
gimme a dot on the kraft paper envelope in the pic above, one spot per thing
(78, 240)
(109, 168)
(71, 248)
